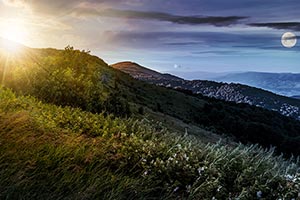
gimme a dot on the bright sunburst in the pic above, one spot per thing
(13, 33)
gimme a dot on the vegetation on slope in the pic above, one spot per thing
(252, 124)
(67, 78)
(246, 123)
(75, 78)
(51, 152)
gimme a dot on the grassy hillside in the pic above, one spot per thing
(248, 124)
(75, 78)
(229, 92)
(51, 152)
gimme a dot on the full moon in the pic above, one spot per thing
(288, 40)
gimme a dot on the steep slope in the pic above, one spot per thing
(229, 92)
(50, 152)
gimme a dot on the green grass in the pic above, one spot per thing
(52, 152)
(77, 79)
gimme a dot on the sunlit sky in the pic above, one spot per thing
(165, 35)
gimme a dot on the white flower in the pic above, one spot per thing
(186, 157)
(289, 177)
(176, 189)
(259, 194)
(170, 158)
(188, 188)
(200, 170)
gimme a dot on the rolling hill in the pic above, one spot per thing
(72, 127)
(75, 78)
(296, 97)
(287, 84)
(229, 92)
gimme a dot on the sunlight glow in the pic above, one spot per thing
(10, 46)
(13, 33)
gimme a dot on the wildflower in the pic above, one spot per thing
(186, 157)
(259, 194)
(145, 173)
(176, 189)
(200, 170)
(123, 134)
(188, 188)
(213, 198)
(289, 177)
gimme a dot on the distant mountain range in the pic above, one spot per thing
(226, 91)
(296, 97)
(287, 84)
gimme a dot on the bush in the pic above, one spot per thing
(50, 152)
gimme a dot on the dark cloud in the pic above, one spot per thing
(295, 26)
(194, 41)
(180, 43)
(160, 16)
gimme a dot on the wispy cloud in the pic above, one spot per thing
(160, 16)
(295, 26)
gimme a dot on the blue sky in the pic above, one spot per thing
(169, 35)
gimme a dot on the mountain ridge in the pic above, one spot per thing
(287, 84)
(77, 79)
(138, 71)
(238, 93)
(72, 127)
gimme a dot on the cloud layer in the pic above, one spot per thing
(295, 26)
(211, 33)
(160, 16)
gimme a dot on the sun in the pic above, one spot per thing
(14, 31)
(13, 34)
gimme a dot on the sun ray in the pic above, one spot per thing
(13, 34)
(14, 30)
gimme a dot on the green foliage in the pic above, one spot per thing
(69, 78)
(141, 110)
(252, 124)
(51, 152)
(63, 150)
(74, 78)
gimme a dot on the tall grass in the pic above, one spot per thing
(51, 152)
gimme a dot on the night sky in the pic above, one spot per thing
(166, 35)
